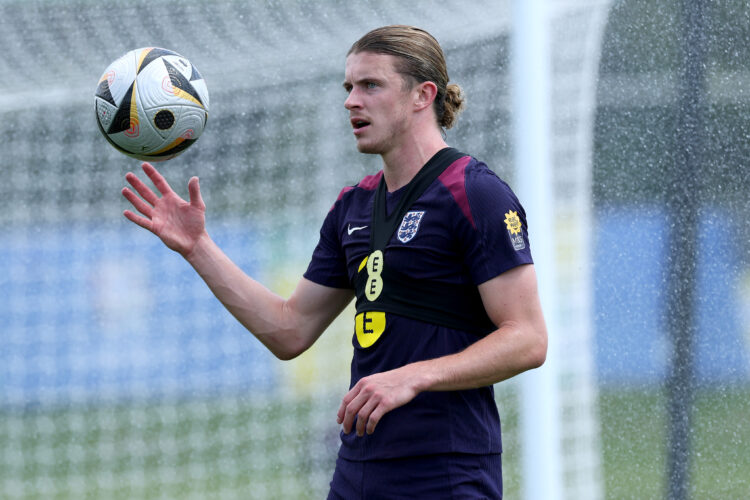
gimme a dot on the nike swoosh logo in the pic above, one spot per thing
(351, 229)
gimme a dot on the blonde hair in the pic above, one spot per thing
(420, 59)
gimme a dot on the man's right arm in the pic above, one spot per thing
(286, 327)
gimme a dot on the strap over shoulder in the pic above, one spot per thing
(383, 225)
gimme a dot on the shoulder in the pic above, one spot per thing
(473, 185)
(366, 186)
(485, 186)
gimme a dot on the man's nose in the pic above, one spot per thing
(352, 100)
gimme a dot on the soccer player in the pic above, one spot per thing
(434, 248)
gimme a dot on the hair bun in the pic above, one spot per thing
(454, 104)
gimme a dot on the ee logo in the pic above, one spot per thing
(370, 325)
(374, 285)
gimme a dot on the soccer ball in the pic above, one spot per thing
(151, 104)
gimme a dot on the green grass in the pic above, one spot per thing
(634, 447)
(213, 449)
(265, 448)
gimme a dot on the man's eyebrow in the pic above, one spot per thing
(370, 78)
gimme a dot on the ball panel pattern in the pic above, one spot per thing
(164, 119)
(151, 104)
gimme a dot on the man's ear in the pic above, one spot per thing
(424, 95)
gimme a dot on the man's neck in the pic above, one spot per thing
(402, 164)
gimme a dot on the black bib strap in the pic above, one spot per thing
(383, 225)
(455, 306)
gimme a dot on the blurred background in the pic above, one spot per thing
(122, 377)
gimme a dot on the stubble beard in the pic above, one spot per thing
(386, 144)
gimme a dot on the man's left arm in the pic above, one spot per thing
(511, 300)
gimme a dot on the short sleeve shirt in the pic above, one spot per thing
(465, 229)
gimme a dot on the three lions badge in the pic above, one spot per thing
(409, 226)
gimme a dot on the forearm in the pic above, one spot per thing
(518, 344)
(285, 327)
(258, 309)
(506, 352)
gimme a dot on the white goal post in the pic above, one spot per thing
(554, 65)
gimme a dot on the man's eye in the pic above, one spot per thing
(371, 85)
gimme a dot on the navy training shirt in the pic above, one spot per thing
(465, 229)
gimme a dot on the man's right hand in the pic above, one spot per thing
(178, 223)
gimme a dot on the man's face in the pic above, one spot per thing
(379, 106)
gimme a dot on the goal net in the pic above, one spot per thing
(120, 375)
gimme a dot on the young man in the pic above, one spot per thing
(435, 250)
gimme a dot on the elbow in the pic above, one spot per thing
(291, 348)
(538, 357)
(287, 354)
(537, 353)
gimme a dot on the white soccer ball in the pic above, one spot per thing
(151, 104)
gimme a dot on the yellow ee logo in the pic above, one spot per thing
(369, 326)
(374, 286)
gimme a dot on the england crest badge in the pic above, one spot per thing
(409, 226)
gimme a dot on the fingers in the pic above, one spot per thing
(366, 420)
(195, 193)
(141, 188)
(159, 181)
(141, 221)
(138, 203)
(341, 415)
(354, 415)
(364, 406)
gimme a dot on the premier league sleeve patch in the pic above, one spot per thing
(513, 224)
(409, 226)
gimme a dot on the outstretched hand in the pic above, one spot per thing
(178, 223)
